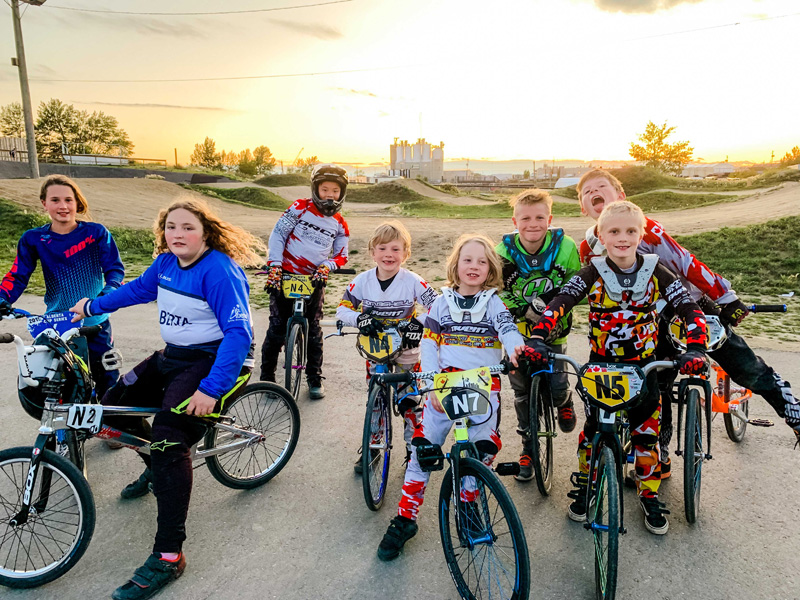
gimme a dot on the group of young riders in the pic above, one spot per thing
(528, 283)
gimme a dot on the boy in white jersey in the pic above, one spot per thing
(310, 238)
(388, 295)
(467, 327)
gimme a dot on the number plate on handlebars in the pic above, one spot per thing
(464, 393)
(85, 416)
(716, 332)
(60, 322)
(381, 347)
(297, 286)
(611, 385)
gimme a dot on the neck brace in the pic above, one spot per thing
(458, 309)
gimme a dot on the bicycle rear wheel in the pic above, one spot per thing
(59, 525)
(603, 516)
(376, 446)
(482, 536)
(734, 427)
(542, 428)
(295, 364)
(264, 408)
(693, 455)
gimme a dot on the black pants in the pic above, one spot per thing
(280, 310)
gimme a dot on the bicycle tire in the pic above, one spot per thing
(376, 436)
(603, 516)
(77, 451)
(542, 428)
(735, 428)
(47, 546)
(295, 364)
(262, 407)
(693, 455)
(498, 567)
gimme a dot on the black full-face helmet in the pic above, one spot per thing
(328, 173)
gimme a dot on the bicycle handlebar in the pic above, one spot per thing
(89, 330)
(659, 364)
(499, 369)
(774, 308)
(6, 338)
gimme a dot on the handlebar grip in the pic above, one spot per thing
(90, 330)
(394, 377)
(344, 271)
(6, 338)
(759, 308)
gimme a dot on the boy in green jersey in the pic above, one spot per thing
(537, 261)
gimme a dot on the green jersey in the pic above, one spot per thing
(527, 277)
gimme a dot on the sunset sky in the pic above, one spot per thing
(498, 79)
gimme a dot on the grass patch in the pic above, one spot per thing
(388, 192)
(566, 192)
(427, 208)
(446, 188)
(253, 197)
(665, 201)
(284, 179)
(766, 259)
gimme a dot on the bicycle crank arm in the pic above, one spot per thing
(507, 468)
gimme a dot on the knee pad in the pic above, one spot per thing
(644, 439)
(487, 447)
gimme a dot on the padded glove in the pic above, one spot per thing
(274, 276)
(692, 362)
(734, 312)
(321, 274)
(368, 325)
(5, 307)
(412, 333)
(535, 351)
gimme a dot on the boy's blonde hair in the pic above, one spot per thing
(241, 245)
(602, 173)
(388, 231)
(495, 276)
(623, 207)
(81, 205)
(531, 197)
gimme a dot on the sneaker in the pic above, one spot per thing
(140, 487)
(114, 445)
(471, 519)
(316, 392)
(654, 519)
(577, 510)
(666, 469)
(400, 531)
(148, 579)
(357, 466)
(268, 376)
(566, 417)
(525, 468)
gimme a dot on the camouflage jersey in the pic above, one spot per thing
(525, 279)
(625, 330)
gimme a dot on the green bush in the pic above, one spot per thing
(665, 201)
(249, 196)
(284, 179)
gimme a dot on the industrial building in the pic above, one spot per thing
(417, 160)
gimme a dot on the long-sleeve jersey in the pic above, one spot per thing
(625, 330)
(203, 306)
(395, 303)
(303, 239)
(467, 345)
(696, 277)
(79, 264)
(523, 284)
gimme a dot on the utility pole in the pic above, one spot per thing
(33, 159)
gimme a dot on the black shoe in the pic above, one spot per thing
(525, 468)
(148, 579)
(400, 531)
(357, 466)
(577, 510)
(316, 391)
(140, 487)
(268, 376)
(566, 416)
(654, 519)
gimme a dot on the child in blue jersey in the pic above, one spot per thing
(79, 259)
(204, 313)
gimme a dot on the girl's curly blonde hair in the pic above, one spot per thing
(238, 243)
(495, 276)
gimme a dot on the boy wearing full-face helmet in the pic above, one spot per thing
(310, 238)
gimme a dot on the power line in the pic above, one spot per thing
(658, 35)
(195, 14)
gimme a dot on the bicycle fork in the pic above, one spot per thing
(30, 483)
(606, 424)
(463, 508)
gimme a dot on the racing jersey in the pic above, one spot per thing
(467, 345)
(397, 302)
(626, 330)
(696, 277)
(521, 285)
(303, 239)
(203, 306)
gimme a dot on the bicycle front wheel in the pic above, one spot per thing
(693, 455)
(603, 521)
(60, 521)
(295, 364)
(482, 537)
(376, 447)
(262, 408)
(77, 452)
(542, 428)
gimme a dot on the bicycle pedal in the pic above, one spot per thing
(507, 468)
(760, 422)
(430, 457)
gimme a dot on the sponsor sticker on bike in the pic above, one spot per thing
(297, 286)
(85, 416)
(60, 322)
(464, 393)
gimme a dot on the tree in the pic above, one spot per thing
(792, 157)
(12, 120)
(205, 154)
(264, 160)
(246, 165)
(526, 174)
(655, 152)
(306, 165)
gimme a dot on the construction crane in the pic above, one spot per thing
(296, 158)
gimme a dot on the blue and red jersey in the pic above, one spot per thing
(80, 264)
